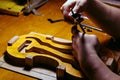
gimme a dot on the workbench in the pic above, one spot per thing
(19, 25)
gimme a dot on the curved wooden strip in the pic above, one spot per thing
(36, 53)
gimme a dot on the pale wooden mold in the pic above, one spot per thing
(60, 72)
(12, 40)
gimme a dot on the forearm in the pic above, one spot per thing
(107, 17)
(95, 69)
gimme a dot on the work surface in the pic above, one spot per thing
(19, 25)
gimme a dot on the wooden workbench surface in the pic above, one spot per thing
(19, 25)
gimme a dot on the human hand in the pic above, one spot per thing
(77, 6)
(84, 46)
(85, 49)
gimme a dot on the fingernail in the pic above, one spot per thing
(70, 14)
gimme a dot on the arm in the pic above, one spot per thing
(86, 48)
(107, 17)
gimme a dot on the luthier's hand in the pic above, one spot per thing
(108, 18)
(84, 46)
(76, 5)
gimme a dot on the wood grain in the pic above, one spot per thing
(12, 25)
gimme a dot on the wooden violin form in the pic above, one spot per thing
(34, 49)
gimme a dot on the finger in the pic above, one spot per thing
(82, 37)
(79, 36)
(69, 19)
(74, 54)
(73, 39)
(80, 6)
(76, 7)
(67, 6)
(74, 46)
(74, 30)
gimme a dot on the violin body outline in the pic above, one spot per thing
(33, 49)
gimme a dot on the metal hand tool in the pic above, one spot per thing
(32, 5)
(54, 21)
(78, 20)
